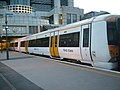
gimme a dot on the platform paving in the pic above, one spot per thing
(29, 72)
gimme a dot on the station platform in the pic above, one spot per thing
(30, 72)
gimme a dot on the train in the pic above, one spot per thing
(95, 41)
(2, 45)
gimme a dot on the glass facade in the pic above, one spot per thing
(68, 18)
(64, 2)
(21, 2)
(74, 17)
(21, 25)
(33, 29)
(71, 18)
(42, 5)
(60, 19)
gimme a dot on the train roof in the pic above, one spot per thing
(104, 17)
(87, 21)
(83, 22)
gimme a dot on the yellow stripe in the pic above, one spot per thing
(69, 28)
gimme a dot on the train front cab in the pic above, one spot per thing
(108, 42)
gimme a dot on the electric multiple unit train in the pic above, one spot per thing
(95, 41)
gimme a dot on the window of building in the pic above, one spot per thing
(68, 18)
(33, 29)
(47, 27)
(86, 37)
(52, 4)
(60, 19)
(13, 8)
(64, 2)
(51, 19)
(80, 18)
(74, 17)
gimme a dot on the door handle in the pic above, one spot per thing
(94, 53)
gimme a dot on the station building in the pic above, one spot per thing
(26, 17)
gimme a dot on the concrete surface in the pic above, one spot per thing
(47, 74)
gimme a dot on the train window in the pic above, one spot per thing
(46, 42)
(41, 42)
(86, 37)
(51, 41)
(55, 39)
(32, 43)
(16, 44)
(111, 31)
(23, 44)
(118, 30)
(69, 40)
(11, 44)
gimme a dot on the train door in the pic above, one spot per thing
(85, 45)
(54, 44)
(26, 46)
(19, 45)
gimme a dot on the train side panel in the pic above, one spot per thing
(39, 44)
(69, 43)
(99, 43)
(85, 43)
(16, 45)
(70, 53)
(22, 49)
(39, 50)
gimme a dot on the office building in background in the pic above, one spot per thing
(33, 16)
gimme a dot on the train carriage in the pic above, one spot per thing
(95, 41)
(39, 44)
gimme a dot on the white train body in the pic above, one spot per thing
(86, 41)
